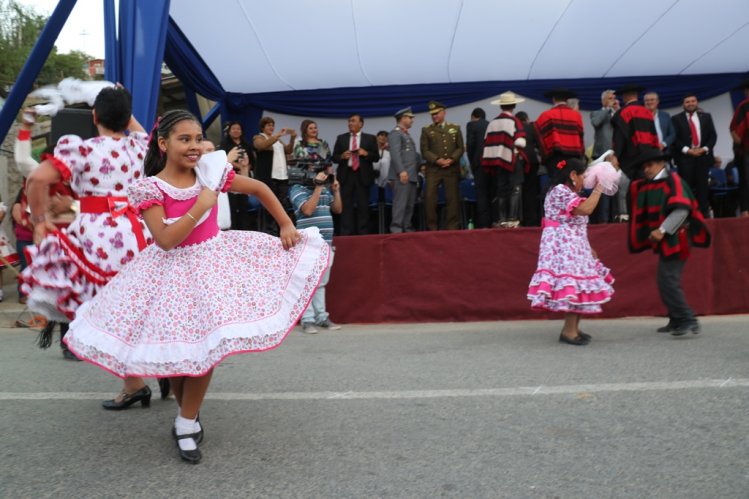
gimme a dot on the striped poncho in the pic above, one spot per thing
(652, 201)
(503, 136)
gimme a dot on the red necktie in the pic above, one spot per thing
(695, 135)
(355, 154)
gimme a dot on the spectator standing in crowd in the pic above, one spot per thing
(662, 120)
(271, 165)
(668, 221)
(243, 156)
(531, 182)
(740, 135)
(311, 147)
(560, 130)
(404, 170)
(382, 167)
(634, 132)
(355, 152)
(313, 207)
(602, 140)
(693, 149)
(442, 147)
(503, 159)
(475, 131)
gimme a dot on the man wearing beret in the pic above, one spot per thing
(404, 171)
(666, 218)
(442, 147)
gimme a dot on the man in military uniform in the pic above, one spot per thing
(442, 147)
(404, 171)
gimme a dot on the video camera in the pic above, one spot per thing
(303, 172)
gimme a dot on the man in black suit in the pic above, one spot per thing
(693, 149)
(355, 152)
(475, 131)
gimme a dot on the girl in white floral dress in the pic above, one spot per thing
(569, 277)
(198, 294)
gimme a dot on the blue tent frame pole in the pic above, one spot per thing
(192, 103)
(111, 47)
(211, 115)
(34, 64)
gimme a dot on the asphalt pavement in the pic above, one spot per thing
(468, 410)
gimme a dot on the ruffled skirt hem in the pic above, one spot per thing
(181, 312)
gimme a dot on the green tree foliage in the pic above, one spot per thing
(20, 27)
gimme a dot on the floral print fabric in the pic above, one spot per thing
(568, 278)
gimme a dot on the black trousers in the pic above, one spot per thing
(484, 195)
(672, 294)
(696, 172)
(355, 197)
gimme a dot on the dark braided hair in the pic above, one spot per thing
(155, 159)
(561, 175)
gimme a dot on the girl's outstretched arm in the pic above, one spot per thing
(245, 185)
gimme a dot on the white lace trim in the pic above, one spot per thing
(176, 192)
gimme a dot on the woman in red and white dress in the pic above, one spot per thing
(68, 267)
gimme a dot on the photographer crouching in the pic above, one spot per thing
(315, 193)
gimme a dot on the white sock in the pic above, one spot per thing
(184, 426)
(196, 426)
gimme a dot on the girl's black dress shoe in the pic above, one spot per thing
(584, 336)
(143, 396)
(197, 436)
(190, 456)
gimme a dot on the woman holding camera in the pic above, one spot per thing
(311, 147)
(239, 203)
(270, 167)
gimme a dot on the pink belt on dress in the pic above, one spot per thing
(545, 222)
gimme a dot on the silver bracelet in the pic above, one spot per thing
(190, 215)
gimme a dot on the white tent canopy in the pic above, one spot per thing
(300, 45)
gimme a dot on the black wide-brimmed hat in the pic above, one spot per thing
(650, 154)
(630, 87)
(560, 93)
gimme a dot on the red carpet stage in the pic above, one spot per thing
(482, 275)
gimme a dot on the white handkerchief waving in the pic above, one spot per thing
(603, 175)
(211, 170)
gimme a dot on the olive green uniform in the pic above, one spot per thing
(442, 141)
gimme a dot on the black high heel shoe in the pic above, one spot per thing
(143, 396)
(190, 456)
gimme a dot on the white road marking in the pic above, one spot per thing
(421, 394)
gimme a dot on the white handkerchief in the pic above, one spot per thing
(211, 169)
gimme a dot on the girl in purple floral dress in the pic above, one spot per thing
(569, 277)
(198, 294)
